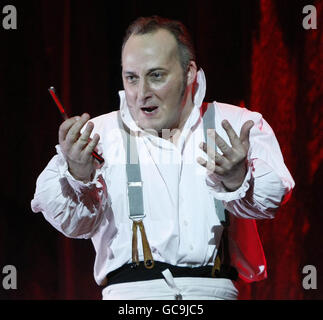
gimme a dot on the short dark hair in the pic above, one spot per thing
(144, 25)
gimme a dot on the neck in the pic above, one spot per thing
(187, 106)
(186, 111)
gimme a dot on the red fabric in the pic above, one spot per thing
(246, 252)
(286, 87)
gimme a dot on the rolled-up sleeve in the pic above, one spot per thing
(72, 207)
(268, 183)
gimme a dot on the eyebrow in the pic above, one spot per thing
(149, 71)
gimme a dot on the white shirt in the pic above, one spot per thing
(181, 223)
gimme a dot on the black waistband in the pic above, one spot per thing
(128, 273)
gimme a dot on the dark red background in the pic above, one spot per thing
(254, 53)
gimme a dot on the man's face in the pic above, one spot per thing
(153, 80)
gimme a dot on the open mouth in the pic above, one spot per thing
(149, 110)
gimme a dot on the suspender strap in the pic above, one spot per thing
(135, 197)
(222, 259)
(149, 262)
(209, 124)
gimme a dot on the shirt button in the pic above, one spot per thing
(191, 247)
(185, 223)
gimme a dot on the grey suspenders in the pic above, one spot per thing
(222, 256)
(135, 193)
(136, 203)
(135, 197)
(209, 123)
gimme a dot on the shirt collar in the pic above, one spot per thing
(195, 113)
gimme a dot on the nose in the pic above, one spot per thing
(144, 92)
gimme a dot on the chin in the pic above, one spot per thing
(150, 126)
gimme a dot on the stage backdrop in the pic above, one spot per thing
(255, 54)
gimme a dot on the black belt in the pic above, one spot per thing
(129, 273)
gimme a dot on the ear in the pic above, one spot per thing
(191, 73)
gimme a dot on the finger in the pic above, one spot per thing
(212, 154)
(245, 131)
(65, 127)
(233, 137)
(91, 146)
(84, 138)
(210, 166)
(221, 144)
(74, 132)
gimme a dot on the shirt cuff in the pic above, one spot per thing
(77, 185)
(219, 192)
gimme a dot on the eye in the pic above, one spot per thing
(156, 75)
(131, 78)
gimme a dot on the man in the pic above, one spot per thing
(176, 193)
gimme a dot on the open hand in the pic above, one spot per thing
(230, 167)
